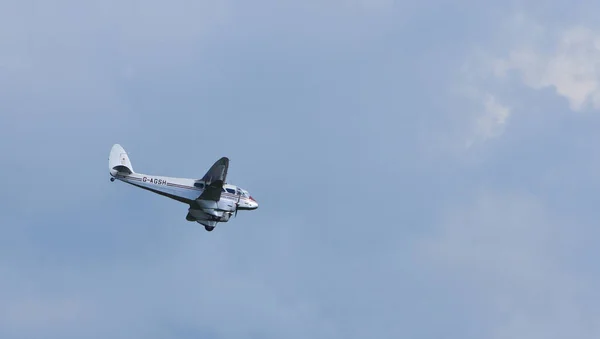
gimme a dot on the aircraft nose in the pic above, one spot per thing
(253, 203)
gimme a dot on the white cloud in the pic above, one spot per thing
(496, 116)
(491, 120)
(565, 59)
(484, 117)
(571, 66)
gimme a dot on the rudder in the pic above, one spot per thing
(118, 161)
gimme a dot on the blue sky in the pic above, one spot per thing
(423, 170)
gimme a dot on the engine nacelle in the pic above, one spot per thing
(209, 214)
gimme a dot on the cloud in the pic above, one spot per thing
(490, 120)
(481, 117)
(562, 57)
(495, 117)
(527, 54)
(566, 61)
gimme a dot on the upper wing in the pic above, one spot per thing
(214, 180)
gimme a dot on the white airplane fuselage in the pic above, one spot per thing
(189, 191)
(185, 190)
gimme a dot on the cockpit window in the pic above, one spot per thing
(230, 190)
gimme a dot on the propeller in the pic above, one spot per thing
(237, 204)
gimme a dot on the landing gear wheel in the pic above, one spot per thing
(112, 179)
(209, 228)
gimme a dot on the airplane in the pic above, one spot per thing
(211, 199)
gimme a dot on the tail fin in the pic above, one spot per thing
(118, 161)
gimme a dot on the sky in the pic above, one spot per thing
(423, 170)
